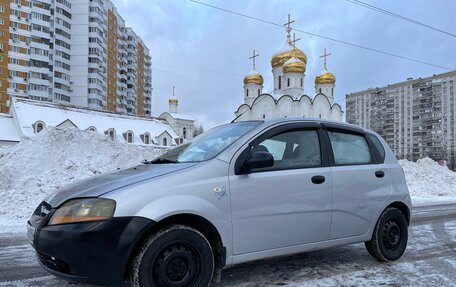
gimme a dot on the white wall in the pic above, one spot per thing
(285, 106)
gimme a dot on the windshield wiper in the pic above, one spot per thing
(162, 160)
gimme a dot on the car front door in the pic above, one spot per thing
(287, 204)
(361, 182)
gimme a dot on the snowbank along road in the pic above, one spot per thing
(430, 260)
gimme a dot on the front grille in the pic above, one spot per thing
(55, 264)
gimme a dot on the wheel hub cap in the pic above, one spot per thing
(391, 235)
(177, 265)
(176, 268)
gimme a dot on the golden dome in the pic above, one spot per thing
(325, 78)
(173, 101)
(280, 58)
(253, 78)
(294, 65)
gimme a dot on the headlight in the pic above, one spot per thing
(81, 210)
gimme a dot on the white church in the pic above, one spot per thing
(29, 117)
(288, 98)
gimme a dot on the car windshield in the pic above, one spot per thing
(207, 145)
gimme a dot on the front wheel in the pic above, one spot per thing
(175, 256)
(390, 236)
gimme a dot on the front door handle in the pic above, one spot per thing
(379, 173)
(318, 179)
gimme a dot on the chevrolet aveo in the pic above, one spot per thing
(239, 192)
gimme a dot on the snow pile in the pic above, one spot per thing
(427, 179)
(54, 158)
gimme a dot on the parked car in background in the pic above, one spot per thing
(240, 192)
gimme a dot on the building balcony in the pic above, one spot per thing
(39, 94)
(19, 68)
(37, 81)
(122, 86)
(122, 76)
(38, 45)
(22, 32)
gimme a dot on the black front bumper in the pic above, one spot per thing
(92, 252)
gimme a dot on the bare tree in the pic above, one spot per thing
(198, 130)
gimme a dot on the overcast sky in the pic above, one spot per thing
(204, 52)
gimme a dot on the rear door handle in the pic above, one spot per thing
(318, 179)
(379, 173)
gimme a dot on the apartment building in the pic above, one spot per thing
(417, 118)
(76, 52)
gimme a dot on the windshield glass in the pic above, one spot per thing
(207, 145)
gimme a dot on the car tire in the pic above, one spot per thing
(175, 256)
(390, 236)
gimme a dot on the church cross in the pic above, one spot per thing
(325, 56)
(253, 58)
(173, 92)
(294, 41)
(288, 25)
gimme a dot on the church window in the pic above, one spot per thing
(320, 116)
(165, 141)
(332, 91)
(184, 133)
(258, 92)
(264, 116)
(280, 82)
(92, 129)
(129, 136)
(111, 133)
(39, 126)
(320, 90)
(147, 138)
(247, 93)
(301, 82)
(288, 82)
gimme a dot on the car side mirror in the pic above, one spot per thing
(258, 159)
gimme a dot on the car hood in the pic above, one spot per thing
(99, 185)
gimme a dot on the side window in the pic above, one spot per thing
(273, 146)
(293, 149)
(349, 148)
(378, 146)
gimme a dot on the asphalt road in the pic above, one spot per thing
(430, 260)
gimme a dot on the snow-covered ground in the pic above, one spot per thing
(430, 260)
(56, 157)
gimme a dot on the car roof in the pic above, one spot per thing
(273, 121)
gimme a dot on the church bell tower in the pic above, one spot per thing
(253, 83)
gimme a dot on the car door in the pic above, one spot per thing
(361, 182)
(287, 204)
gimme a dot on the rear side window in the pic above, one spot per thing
(349, 148)
(378, 146)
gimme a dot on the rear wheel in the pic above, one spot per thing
(176, 256)
(390, 236)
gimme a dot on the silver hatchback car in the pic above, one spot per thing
(239, 192)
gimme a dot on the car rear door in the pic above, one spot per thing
(288, 204)
(361, 181)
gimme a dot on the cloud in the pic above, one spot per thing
(204, 52)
